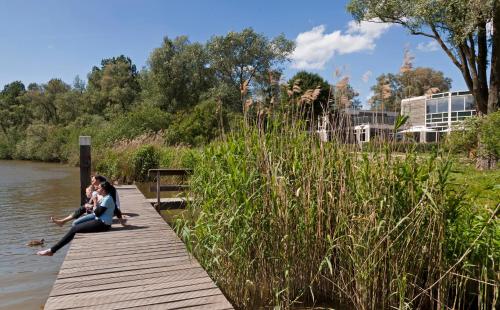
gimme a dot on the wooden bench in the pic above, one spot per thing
(158, 187)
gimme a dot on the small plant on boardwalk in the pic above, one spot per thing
(281, 218)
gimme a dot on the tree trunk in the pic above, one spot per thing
(493, 98)
(485, 160)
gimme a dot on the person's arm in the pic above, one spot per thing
(99, 210)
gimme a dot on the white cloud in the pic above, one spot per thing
(366, 76)
(314, 48)
(430, 46)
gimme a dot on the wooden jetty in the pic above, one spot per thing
(143, 266)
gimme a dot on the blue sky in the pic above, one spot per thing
(40, 40)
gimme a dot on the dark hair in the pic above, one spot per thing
(110, 189)
(100, 178)
(106, 186)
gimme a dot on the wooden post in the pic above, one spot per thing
(158, 190)
(85, 166)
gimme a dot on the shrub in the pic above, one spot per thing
(463, 138)
(43, 142)
(490, 133)
(6, 148)
(107, 163)
(142, 120)
(145, 158)
(197, 126)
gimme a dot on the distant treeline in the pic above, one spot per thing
(188, 91)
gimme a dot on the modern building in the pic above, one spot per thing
(358, 126)
(432, 116)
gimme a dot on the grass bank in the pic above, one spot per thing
(481, 187)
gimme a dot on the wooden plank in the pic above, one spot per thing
(144, 265)
(125, 273)
(122, 287)
(170, 172)
(124, 278)
(171, 203)
(169, 188)
(122, 298)
(201, 303)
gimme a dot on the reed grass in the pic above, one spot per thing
(281, 218)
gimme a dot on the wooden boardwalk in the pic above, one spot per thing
(143, 266)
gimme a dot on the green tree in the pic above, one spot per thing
(178, 74)
(390, 88)
(13, 111)
(52, 102)
(303, 81)
(113, 87)
(385, 93)
(245, 59)
(79, 84)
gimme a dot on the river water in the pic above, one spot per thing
(29, 194)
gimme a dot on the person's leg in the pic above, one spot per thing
(88, 217)
(86, 227)
(118, 214)
(76, 214)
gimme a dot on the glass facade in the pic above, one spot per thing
(444, 110)
(372, 117)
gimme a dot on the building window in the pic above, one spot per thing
(469, 103)
(430, 137)
(457, 103)
(442, 105)
(431, 106)
(362, 135)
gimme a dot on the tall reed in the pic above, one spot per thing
(281, 218)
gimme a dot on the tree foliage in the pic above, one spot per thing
(304, 83)
(391, 88)
(113, 87)
(246, 59)
(178, 74)
(13, 112)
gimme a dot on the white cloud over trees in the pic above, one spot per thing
(314, 48)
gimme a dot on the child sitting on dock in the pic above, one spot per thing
(92, 199)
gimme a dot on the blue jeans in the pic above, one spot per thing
(86, 218)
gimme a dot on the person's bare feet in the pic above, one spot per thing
(46, 252)
(57, 221)
(123, 221)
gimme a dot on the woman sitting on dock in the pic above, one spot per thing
(103, 217)
(95, 181)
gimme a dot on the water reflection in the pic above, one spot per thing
(29, 194)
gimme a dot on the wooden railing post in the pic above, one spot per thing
(158, 189)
